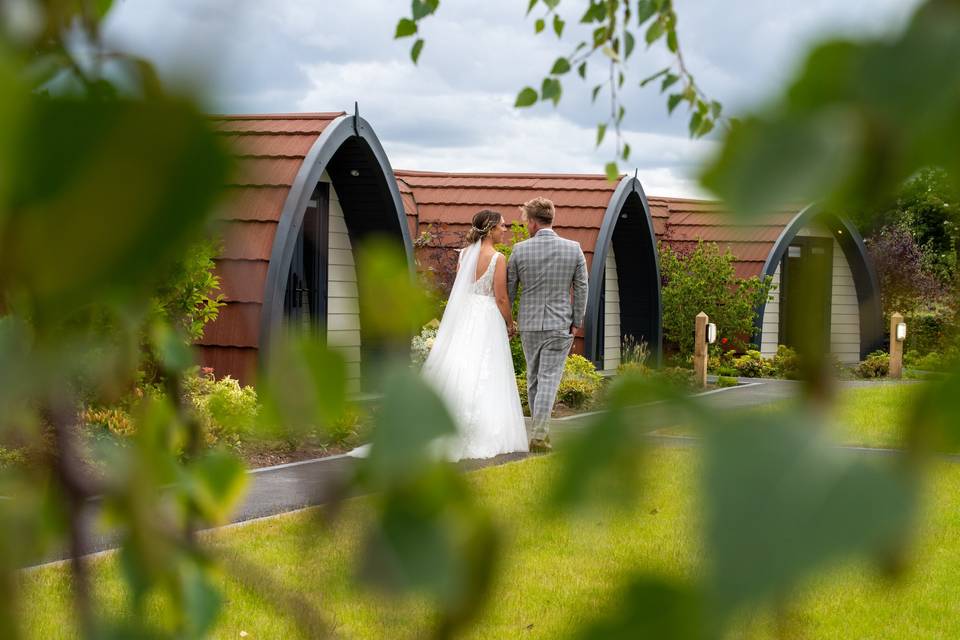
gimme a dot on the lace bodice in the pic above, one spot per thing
(483, 286)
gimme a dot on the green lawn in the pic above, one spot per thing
(556, 573)
(870, 416)
(873, 416)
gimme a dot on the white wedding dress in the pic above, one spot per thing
(471, 369)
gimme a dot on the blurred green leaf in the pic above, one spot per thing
(217, 483)
(654, 31)
(423, 8)
(304, 386)
(392, 304)
(430, 537)
(645, 9)
(668, 81)
(550, 90)
(86, 192)
(416, 50)
(781, 501)
(405, 28)
(527, 97)
(201, 601)
(612, 171)
(858, 118)
(582, 70)
(654, 76)
(539, 25)
(650, 607)
(561, 66)
(558, 25)
(601, 132)
(408, 427)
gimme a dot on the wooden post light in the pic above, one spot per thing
(898, 333)
(700, 350)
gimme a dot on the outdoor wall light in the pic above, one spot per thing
(354, 172)
(711, 333)
(901, 331)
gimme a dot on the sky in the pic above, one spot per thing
(454, 110)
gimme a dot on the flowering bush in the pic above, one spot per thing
(580, 382)
(225, 410)
(786, 363)
(753, 365)
(876, 365)
(422, 343)
(703, 279)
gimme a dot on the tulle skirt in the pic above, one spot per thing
(473, 374)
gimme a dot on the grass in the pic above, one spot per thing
(868, 416)
(873, 416)
(556, 573)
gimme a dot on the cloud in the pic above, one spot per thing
(454, 111)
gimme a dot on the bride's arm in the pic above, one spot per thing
(500, 291)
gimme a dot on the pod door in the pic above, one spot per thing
(805, 292)
(305, 298)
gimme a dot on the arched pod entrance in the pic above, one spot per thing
(310, 188)
(626, 306)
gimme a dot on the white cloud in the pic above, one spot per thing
(454, 111)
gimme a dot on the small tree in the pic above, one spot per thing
(905, 284)
(704, 280)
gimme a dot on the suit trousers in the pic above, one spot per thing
(546, 353)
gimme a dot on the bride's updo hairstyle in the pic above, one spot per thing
(483, 222)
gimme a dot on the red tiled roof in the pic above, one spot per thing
(270, 150)
(451, 199)
(682, 223)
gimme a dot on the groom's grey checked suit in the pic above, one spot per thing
(546, 267)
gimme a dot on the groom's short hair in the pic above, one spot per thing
(540, 209)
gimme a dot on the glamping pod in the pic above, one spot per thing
(786, 246)
(611, 221)
(309, 188)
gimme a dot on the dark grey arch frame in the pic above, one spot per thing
(864, 276)
(628, 186)
(338, 132)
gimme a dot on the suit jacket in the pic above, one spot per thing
(546, 267)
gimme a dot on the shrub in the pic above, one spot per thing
(704, 280)
(721, 362)
(675, 378)
(786, 363)
(113, 420)
(905, 284)
(345, 429)
(876, 365)
(580, 382)
(929, 330)
(224, 408)
(753, 365)
(422, 343)
(724, 381)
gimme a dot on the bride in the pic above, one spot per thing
(470, 365)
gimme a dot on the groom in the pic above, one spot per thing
(546, 267)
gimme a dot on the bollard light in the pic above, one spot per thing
(901, 331)
(711, 333)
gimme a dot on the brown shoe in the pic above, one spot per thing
(538, 445)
